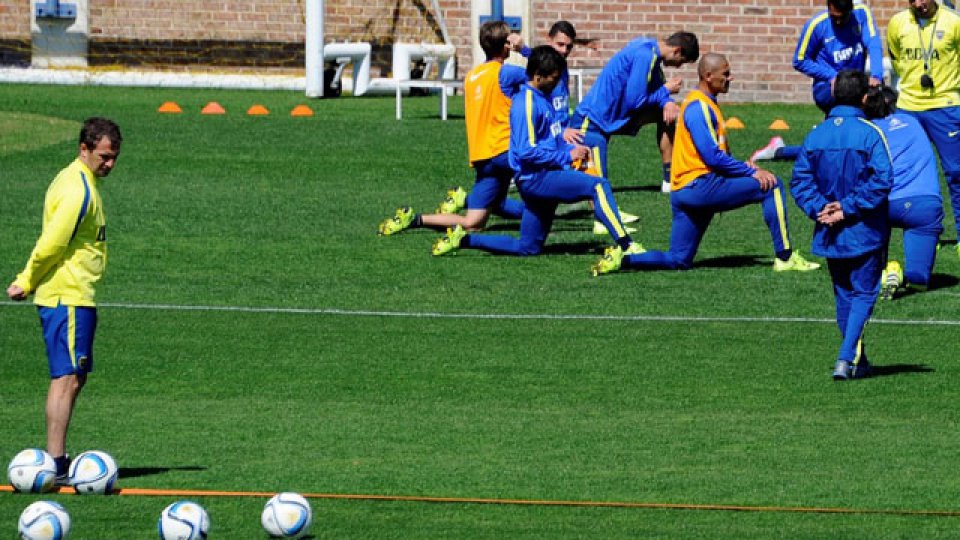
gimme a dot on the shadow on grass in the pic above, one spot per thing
(136, 472)
(653, 188)
(897, 369)
(733, 261)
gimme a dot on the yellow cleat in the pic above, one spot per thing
(450, 242)
(796, 263)
(455, 201)
(400, 221)
(891, 281)
(600, 229)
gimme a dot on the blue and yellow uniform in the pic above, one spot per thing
(915, 202)
(628, 92)
(706, 180)
(541, 159)
(67, 262)
(559, 97)
(824, 49)
(845, 159)
(487, 89)
(930, 48)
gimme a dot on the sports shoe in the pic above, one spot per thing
(861, 369)
(842, 370)
(665, 187)
(613, 257)
(400, 221)
(455, 201)
(891, 281)
(796, 263)
(769, 151)
(450, 242)
(628, 218)
(600, 229)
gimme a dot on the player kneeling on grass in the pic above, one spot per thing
(487, 89)
(542, 161)
(916, 205)
(706, 180)
(841, 180)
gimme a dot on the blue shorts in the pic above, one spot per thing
(492, 184)
(68, 334)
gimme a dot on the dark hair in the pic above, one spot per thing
(849, 88)
(545, 60)
(493, 38)
(565, 27)
(881, 102)
(97, 128)
(689, 46)
(843, 6)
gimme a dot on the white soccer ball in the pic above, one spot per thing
(32, 471)
(286, 515)
(44, 520)
(183, 520)
(93, 472)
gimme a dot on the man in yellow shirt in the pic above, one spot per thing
(64, 267)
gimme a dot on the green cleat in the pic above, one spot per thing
(609, 262)
(449, 243)
(455, 201)
(600, 229)
(635, 248)
(400, 221)
(891, 281)
(796, 263)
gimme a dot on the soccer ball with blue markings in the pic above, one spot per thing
(93, 472)
(286, 515)
(32, 471)
(183, 520)
(44, 520)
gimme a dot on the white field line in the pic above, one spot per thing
(502, 316)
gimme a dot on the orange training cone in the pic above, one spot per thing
(170, 107)
(734, 123)
(779, 124)
(301, 110)
(213, 108)
(258, 110)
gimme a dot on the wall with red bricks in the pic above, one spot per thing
(758, 37)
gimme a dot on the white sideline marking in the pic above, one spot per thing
(498, 316)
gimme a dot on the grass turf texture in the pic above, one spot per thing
(281, 212)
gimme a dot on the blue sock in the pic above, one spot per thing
(666, 172)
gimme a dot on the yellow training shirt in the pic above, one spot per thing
(487, 112)
(71, 253)
(908, 44)
(687, 163)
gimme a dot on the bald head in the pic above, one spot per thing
(710, 62)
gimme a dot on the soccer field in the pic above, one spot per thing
(256, 335)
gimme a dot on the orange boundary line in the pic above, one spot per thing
(147, 492)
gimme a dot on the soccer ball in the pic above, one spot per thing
(44, 520)
(183, 520)
(286, 515)
(33, 471)
(93, 472)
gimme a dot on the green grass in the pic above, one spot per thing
(708, 387)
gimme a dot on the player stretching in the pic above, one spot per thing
(542, 160)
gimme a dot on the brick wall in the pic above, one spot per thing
(758, 37)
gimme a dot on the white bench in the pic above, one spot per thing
(442, 84)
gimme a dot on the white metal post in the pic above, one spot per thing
(314, 47)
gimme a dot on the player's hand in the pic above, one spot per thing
(579, 152)
(16, 293)
(671, 111)
(765, 178)
(573, 136)
(831, 214)
(673, 84)
(515, 41)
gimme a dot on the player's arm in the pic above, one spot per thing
(703, 128)
(808, 47)
(66, 205)
(641, 73)
(529, 134)
(803, 185)
(870, 39)
(873, 191)
(511, 79)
